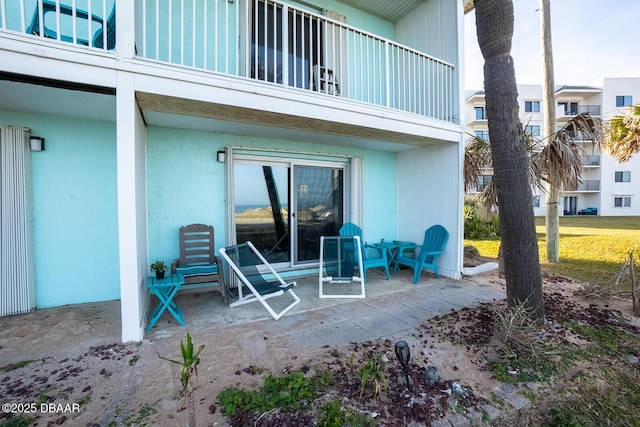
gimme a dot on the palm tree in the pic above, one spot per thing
(494, 25)
(623, 135)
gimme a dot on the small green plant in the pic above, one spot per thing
(333, 415)
(134, 359)
(17, 421)
(372, 377)
(13, 366)
(294, 391)
(159, 267)
(189, 362)
(143, 413)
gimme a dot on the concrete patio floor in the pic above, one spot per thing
(390, 309)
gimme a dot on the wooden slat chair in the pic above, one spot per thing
(198, 263)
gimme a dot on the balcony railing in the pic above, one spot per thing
(277, 43)
(574, 110)
(73, 21)
(589, 185)
(592, 160)
(264, 40)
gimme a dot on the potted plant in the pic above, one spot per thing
(159, 267)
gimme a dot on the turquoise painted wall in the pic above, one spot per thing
(355, 17)
(75, 209)
(186, 184)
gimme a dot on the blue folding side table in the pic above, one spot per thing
(165, 289)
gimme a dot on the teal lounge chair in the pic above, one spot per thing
(435, 238)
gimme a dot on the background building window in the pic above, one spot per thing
(536, 201)
(624, 100)
(622, 202)
(533, 130)
(532, 106)
(623, 176)
(480, 113)
(483, 181)
(482, 134)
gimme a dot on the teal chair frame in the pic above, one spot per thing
(435, 239)
(380, 260)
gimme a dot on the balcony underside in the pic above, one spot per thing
(170, 111)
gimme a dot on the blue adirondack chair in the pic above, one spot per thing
(372, 256)
(435, 238)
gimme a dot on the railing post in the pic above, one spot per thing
(125, 28)
(387, 78)
(285, 47)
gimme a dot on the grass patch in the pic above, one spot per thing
(14, 366)
(591, 247)
(17, 421)
(612, 402)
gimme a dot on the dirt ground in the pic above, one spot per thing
(70, 374)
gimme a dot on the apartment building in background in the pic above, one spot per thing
(608, 188)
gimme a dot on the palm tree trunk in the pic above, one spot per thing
(549, 104)
(494, 23)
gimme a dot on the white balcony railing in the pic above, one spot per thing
(278, 44)
(82, 22)
(264, 40)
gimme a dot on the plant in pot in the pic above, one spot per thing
(159, 267)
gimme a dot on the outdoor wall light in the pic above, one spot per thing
(404, 354)
(36, 143)
(221, 156)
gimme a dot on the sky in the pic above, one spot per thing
(591, 39)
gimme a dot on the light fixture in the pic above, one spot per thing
(36, 143)
(221, 155)
(404, 354)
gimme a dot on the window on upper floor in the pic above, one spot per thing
(531, 106)
(624, 100)
(622, 202)
(536, 201)
(481, 113)
(623, 176)
(533, 130)
(482, 134)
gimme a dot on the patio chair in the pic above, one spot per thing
(338, 259)
(257, 277)
(435, 238)
(372, 256)
(198, 262)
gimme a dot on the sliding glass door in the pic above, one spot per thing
(319, 208)
(284, 207)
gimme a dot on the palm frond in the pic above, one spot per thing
(488, 198)
(477, 159)
(562, 159)
(623, 135)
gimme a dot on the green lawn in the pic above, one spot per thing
(591, 247)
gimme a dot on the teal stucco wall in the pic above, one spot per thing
(75, 209)
(187, 185)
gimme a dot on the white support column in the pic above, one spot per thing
(132, 230)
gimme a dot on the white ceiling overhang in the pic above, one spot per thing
(394, 10)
